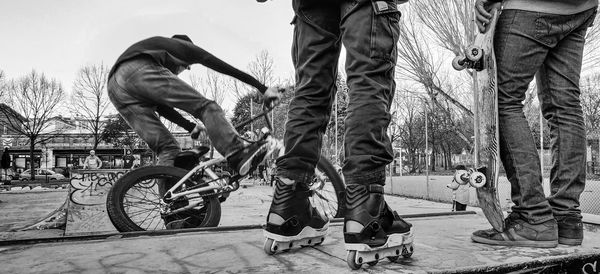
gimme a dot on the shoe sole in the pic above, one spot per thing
(568, 241)
(521, 243)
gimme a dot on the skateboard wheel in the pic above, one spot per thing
(477, 179)
(458, 63)
(461, 177)
(474, 53)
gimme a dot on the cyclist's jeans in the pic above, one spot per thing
(139, 85)
(369, 31)
(527, 43)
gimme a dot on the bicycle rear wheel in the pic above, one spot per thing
(133, 203)
(328, 190)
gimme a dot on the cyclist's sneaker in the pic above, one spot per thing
(570, 230)
(292, 222)
(519, 232)
(190, 218)
(248, 158)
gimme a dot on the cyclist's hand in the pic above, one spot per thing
(483, 14)
(196, 131)
(272, 96)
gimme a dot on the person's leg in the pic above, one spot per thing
(315, 52)
(370, 31)
(559, 93)
(156, 84)
(520, 51)
(144, 121)
(460, 207)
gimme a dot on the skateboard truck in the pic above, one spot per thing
(472, 59)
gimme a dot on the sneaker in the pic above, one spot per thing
(191, 218)
(248, 159)
(519, 232)
(570, 230)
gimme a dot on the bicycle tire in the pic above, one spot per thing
(116, 196)
(325, 166)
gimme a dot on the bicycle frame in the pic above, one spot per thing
(218, 184)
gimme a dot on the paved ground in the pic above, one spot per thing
(442, 244)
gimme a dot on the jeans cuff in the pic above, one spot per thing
(297, 177)
(376, 176)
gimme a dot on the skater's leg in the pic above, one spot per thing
(315, 53)
(292, 219)
(372, 231)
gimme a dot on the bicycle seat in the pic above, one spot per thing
(190, 158)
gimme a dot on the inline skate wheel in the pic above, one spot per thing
(477, 179)
(351, 260)
(407, 252)
(268, 247)
(458, 63)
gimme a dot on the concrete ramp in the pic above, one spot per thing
(86, 206)
(84, 210)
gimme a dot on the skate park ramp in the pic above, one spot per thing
(84, 210)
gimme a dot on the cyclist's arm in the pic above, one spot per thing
(193, 54)
(172, 115)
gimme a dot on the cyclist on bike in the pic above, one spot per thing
(144, 82)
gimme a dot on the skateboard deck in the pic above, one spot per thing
(484, 176)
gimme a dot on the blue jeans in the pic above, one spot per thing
(550, 45)
(139, 85)
(369, 31)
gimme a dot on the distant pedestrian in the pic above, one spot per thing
(460, 193)
(128, 160)
(92, 161)
(5, 162)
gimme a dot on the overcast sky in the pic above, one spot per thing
(57, 37)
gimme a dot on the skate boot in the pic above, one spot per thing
(372, 231)
(292, 221)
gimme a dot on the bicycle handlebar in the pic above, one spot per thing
(266, 110)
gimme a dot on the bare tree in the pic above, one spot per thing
(591, 53)
(590, 102)
(33, 101)
(262, 68)
(2, 85)
(89, 99)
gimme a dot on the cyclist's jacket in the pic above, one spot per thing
(172, 53)
(550, 6)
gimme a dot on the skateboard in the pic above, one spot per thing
(480, 58)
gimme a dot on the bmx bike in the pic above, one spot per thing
(145, 198)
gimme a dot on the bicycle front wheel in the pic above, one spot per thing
(133, 203)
